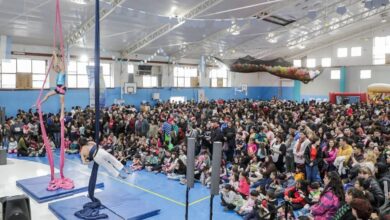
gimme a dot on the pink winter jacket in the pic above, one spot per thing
(327, 207)
(332, 155)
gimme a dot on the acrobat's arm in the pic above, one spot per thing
(58, 62)
(84, 154)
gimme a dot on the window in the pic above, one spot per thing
(326, 62)
(365, 74)
(342, 52)
(219, 77)
(8, 74)
(78, 77)
(311, 63)
(297, 63)
(130, 69)
(39, 74)
(72, 74)
(149, 81)
(356, 51)
(108, 77)
(183, 76)
(77, 74)
(335, 74)
(381, 47)
(8, 66)
(23, 66)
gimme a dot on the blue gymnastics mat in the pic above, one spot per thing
(118, 205)
(36, 187)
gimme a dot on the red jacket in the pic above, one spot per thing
(243, 187)
(296, 195)
(349, 111)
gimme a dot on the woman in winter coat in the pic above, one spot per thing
(330, 198)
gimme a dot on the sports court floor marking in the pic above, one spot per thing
(136, 186)
(199, 200)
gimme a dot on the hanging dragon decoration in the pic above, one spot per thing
(277, 67)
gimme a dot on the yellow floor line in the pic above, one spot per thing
(133, 185)
(199, 200)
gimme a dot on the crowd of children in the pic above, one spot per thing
(325, 161)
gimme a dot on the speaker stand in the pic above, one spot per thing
(187, 195)
(211, 206)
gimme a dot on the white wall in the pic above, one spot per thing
(380, 74)
(323, 84)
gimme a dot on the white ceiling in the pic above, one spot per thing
(31, 22)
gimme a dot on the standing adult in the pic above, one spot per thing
(230, 138)
(216, 134)
(313, 155)
(299, 149)
(278, 149)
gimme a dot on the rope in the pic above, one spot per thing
(63, 182)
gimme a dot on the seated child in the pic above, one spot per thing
(73, 148)
(297, 195)
(248, 204)
(205, 176)
(12, 146)
(179, 171)
(230, 199)
(299, 175)
(243, 186)
(264, 208)
(137, 163)
(315, 192)
(151, 161)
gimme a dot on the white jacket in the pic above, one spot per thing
(298, 156)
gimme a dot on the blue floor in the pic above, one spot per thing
(33, 187)
(167, 195)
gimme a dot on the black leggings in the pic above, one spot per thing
(22, 153)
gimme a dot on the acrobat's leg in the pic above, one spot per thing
(51, 93)
(107, 161)
(62, 102)
(62, 154)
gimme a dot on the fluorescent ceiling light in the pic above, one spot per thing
(80, 2)
(236, 32)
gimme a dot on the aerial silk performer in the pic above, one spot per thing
(57, 63)
(277, 67)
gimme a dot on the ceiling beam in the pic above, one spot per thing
(198, 9)
(75, 36)
(337, 25)
(301, 22)
(219, 34)
(349, 36)
(327, 29)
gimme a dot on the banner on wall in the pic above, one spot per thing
(5, 47)
(202, 66)
(91, 82)
(201, 95)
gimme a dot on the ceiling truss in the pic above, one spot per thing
(76, 35)
(203, 6)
